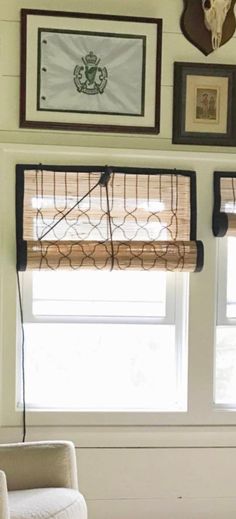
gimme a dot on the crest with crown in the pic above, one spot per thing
(91, 59)
(90, 78)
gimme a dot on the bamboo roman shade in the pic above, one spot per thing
(106, 217)
(224, 213)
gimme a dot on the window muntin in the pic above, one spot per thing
(132, 356)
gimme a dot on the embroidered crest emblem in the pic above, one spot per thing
(89, 78)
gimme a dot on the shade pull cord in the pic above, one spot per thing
(22, 358)
(105, 179)
(72, 208)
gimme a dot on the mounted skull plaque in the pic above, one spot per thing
(208, 24)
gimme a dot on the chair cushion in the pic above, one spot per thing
(44, 503)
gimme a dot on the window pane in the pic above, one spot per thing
(98, 364)
(99, 293)
(225, 387)
(101, 367)
(231, 278)
(225, 358)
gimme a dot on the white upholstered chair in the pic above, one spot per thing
(38, 480)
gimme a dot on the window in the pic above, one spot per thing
(224, 224)
(225, 359)
(105, 341)
(96, 340)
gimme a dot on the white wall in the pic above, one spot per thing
(182, 471)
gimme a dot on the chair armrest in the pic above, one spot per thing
(39, 465)
(4, 511)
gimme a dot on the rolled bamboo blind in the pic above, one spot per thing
(224, 213)
(137, 219)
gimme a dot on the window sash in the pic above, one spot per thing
(176, 315)
(222, 281)
(176, 288)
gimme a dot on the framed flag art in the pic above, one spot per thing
(90, 72)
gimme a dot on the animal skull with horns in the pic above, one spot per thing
(215, 12)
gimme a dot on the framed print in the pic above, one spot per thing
(90, 72)
(204, 110)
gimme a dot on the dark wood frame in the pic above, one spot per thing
(180, 136)
(71, 126)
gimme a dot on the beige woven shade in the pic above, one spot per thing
(162, 255)
(224, 214)
(137, 219)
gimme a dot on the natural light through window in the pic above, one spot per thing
(105, 341)
(225, 361)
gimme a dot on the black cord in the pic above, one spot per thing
(105, 177)
(22, 357)
(110, 227)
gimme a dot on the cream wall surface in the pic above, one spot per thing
(184, 471)
(175, 47)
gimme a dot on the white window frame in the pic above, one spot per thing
(177, 306)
